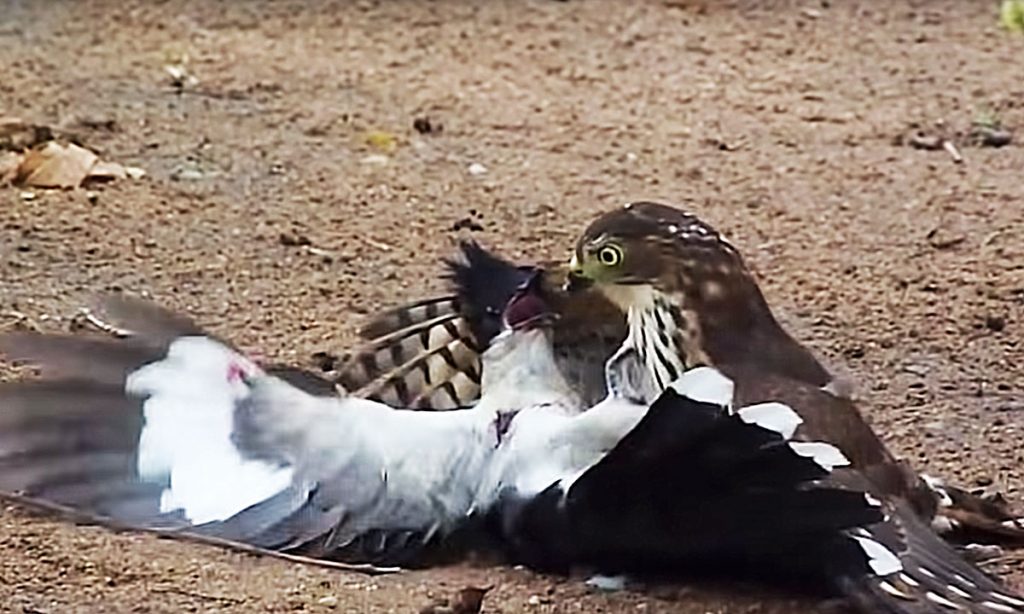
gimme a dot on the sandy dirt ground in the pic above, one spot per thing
(786, 124)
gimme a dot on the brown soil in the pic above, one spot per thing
(784, 124)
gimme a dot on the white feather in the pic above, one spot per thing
(938, 486)
(998, 607)
(772, 416)
(607, 583)
(1008, 599)
(881, 560)
(549, 445)
(705, 385)
(825, 455)
(186, 435)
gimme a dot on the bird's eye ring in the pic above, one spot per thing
(610, 255)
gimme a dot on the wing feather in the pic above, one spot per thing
(139, 433)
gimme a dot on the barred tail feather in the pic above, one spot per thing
(434, 364)
(405, 316)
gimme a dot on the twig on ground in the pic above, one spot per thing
(952, 150)
(90, 318)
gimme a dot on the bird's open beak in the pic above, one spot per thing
(576, 281)
(527, 308)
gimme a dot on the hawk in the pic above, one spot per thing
(690, 300)
(174, 429)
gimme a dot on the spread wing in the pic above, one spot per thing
(426, 354)
(700, 488)
(696, 486)
(185, 433)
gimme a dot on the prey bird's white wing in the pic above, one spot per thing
(192, 435)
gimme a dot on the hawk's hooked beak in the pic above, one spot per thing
(576, 281)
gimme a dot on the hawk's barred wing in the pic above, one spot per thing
(404, 316)
(426, 354)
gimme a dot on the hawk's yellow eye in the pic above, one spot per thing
(610, 255)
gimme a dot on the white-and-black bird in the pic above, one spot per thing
(174, 429)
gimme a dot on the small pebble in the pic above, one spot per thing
(476, 169)
(187, 174)
(925, 141)
(993, 137)
(375, 160)
(134, 172)
(329, 601)
(995, 323)
(423, 125)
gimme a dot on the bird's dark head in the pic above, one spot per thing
(646, 244)
(520, 362)
(485, 284)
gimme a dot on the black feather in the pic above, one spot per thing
(934, 575)
(484, 283)
(693, 489)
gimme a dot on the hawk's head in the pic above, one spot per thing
(650, 245)
(660, 262)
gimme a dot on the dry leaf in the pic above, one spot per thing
(469, 600)
(10, 162)
(56, 165)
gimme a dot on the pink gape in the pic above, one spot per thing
(237, 372)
